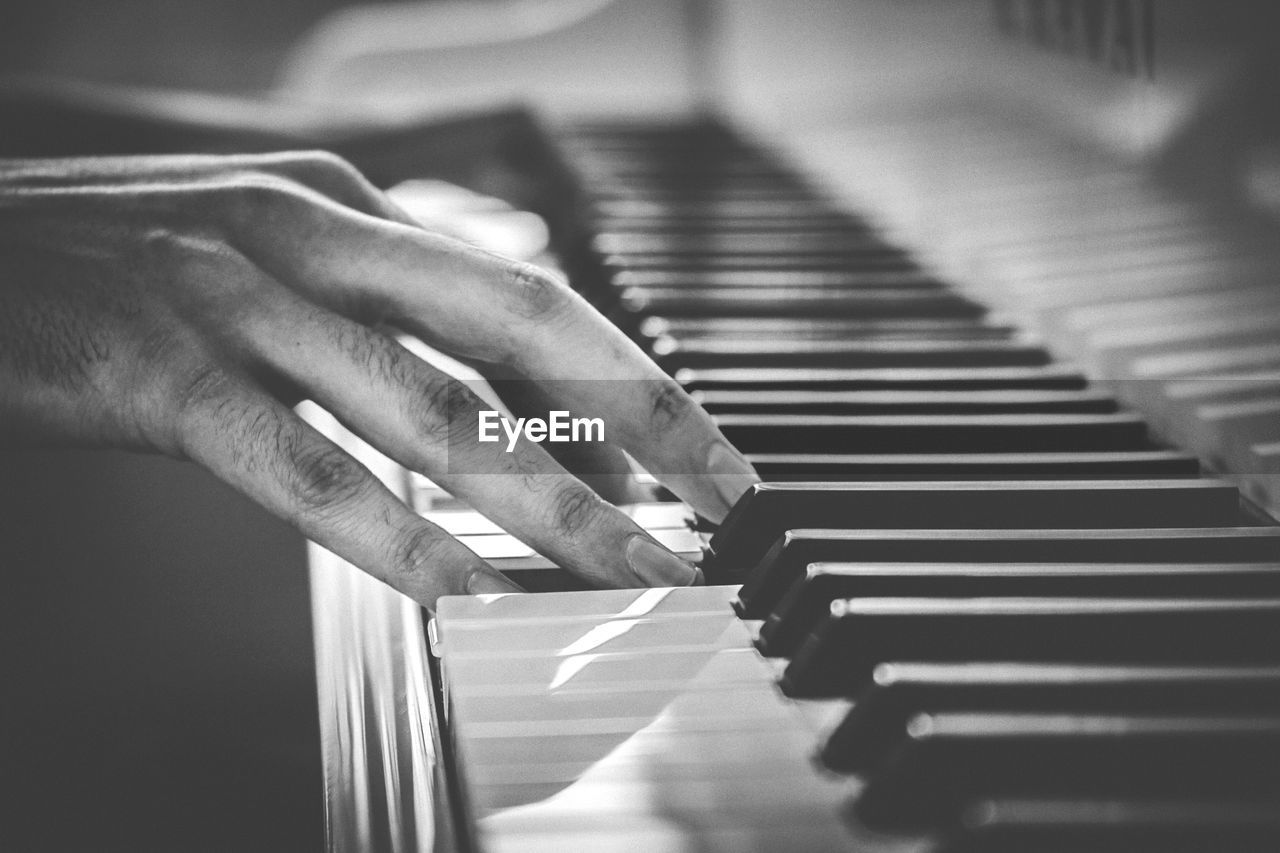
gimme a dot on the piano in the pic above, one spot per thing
(993, 311)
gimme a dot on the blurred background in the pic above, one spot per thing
(219, 45)
(159, 685)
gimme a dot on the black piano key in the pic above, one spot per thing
(609, 191)
(618, 231)
(666, 150)
(943, 762)
(652, 134)
(899, 691)
(609, 187)
(697, 210)
(1049, 377)
(612, 178)
(879, 280)
(767, 510)
(615, 145)
(807, 601)
(665, 166)
(701, 156)
(675, 353)
(699, 175)
(839, 656)
(854, 244)
(1115, 826)
(697, 184)
(748, 262)
(693, 172)
(905, 402)
(704, 154)
(689, 171)
(660, 149)
(812, 221)
(786, 560)
(822, 328)
(1033, 433)
(797, 302)
(645, 167)
(973, 466)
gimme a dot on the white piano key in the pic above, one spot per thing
(505, 552)
(1219, 430)
(1261, 474)
(651, 516)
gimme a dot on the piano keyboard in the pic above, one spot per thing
(1170, 302)
(976, 606)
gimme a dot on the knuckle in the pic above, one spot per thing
(442, 404)
(209, 285)
(201, 386)
(573, 508)
(416, 547)
(668, 405)
(264, 184)
(535, 293)
(375, 353)
(324, 477)
(190, 254)
(332, 174)
(327, 163)
(208, 400)
(248, 195)
(161, 424)
(318, 157)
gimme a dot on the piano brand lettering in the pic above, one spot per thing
(558, 427)
(1116, 34)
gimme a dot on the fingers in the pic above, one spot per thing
(485, 308)
(428, 421)
(266, 451)
(601, 465)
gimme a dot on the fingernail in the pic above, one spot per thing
(486, 581)
(730, 473)
(656, 566)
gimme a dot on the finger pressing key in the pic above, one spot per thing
(428, 421)
(265, 450)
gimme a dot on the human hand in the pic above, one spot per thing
(179, 304)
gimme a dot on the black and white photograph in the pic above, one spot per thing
(640, 426)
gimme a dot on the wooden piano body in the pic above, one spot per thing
(1104, 174)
